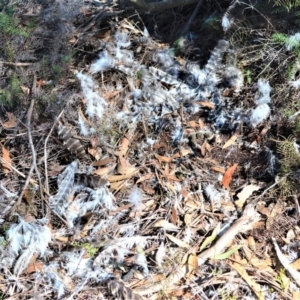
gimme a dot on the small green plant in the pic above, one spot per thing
(9, 25)
(286, 5)
(11, 95)
(88, 248)
(290, 163)
(292, 44)
(248, 76)
(281, 279)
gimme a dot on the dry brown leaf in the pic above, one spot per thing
(160, 145)
(7, 160)
(172, 177)
(193, 204)
(189, 218)
(203, 148)
(228, 176)
(101, 171)
(174, 216)
(193, 124)
(185, 152)
(163, 158)
(296, 264)
(251, 243)
(103, 162)
(201, 124)
(83, 117)
(12, 121)
(61, 238)
(123, 148)
(165, 224)
(207, 104)
(116, 185)
(145, 177)
(170, 186)
(245, 194)
(96, 153)
(230, 141)
(296, 295)
(177, 241)
(192, 263)
(251, 282)
(167, 169)
(184, 192)
(114, 178)
(25, 90)
(217, 169)
(34, 267)
(125, 170)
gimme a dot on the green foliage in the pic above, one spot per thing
(293, 45)
(287, 5)
(88, 248)
(290, 163)
(291, 159)
(11, 95)
(248, 76)
(9, 25)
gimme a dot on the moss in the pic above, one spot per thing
(11, 95)
(88, 248)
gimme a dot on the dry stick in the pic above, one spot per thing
(24, 187)
(28, 124)
(45, 152)
(188, 25)
(243, 224)
(157, 6)
(18, 64)
(4, 161)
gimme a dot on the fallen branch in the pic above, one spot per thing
(241, 225)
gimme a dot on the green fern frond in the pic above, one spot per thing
(279, 38)
(293, 68)
(287, 187)
(288, 5)
(291, 159)
(9, 26)
(238, 34)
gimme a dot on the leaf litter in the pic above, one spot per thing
(139, 172)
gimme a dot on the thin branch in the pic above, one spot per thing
(46, 154)
(193, 16)
(157, 6)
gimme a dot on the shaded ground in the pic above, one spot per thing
(131, 162)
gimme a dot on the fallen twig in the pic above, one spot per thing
(243, 224)
(46, 154)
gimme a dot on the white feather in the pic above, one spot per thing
(104, 62)
(122, 39)
(135, 198)
(295, 83)
(84, 130)
(262, 96)
(141, 261)
(226, 23)
(259, 114)
(160, 254)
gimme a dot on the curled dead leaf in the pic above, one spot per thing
(124, 170)
(6, 160)
(245, 194)
(230, 141)
(165, 224)
(228, 176)
(177, 241)
(12, 121)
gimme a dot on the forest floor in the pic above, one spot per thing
(140, 163)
